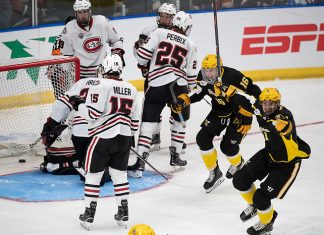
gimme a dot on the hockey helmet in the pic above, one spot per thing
(183, 21)
(111, 65)
(82, 18)
(209, 68)
(80, 5)
(270, 100)
(141, 229)
(166, 12)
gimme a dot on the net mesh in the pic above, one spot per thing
(28, 89)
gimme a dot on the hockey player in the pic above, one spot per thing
(164, 18)
(110, 105)
(226, 114)
(171, 56)
(88, 37)
(276, 165)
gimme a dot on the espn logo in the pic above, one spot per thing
(281, 38)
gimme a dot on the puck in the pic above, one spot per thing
(22, 160)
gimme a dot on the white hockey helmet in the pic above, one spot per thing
(166, 8)
(183, 21)
(80, 5)
(111, 65)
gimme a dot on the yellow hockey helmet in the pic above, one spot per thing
(210, 62)
(141, 229)
(270, 94)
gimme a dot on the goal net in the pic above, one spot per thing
(28, 89)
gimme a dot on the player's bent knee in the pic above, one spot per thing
(204, 141)
(228, 148)
(261, 200)
(240, 182)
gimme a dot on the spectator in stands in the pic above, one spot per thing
(5, 14)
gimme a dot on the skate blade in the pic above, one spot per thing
(218, 182)
(122, 224)
(85, 225)
(175, 169)
(135, 174)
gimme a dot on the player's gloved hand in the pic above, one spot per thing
(120, 52)
(281, 123)
(47, 129)
(243, 120)
(75, 101)
(141, 40)
(144, 69)
(183, 101)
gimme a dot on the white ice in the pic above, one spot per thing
(180, 206)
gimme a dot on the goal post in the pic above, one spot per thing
(28, 89)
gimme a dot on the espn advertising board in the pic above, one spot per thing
(266, 43)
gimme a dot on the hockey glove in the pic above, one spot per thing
(243, 120)
(120, 52)
(183, 101)
(75, 101)
(144, 69)
(56, 132)
(141, 40)
(51, 130)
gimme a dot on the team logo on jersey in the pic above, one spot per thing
(92, 45)
(81, 35)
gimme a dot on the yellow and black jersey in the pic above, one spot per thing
(281, 139)
(221, 93)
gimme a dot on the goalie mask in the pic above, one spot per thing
(165, 15)
(82, 10)
(111, 65)
(270, 100)
(183, 21)
(209, 68)
(141, 229)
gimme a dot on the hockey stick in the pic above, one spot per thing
(142, 159)
(174, 98)
(32, 145)
(217, 40)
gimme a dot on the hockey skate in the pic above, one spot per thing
(214, 180)
(248, 213)
(122, 215)
(176, 162)
(233, 169)
(136, 170)
(262, 229)
(88, 216)
(156, 141)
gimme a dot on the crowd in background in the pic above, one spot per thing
(20, 13)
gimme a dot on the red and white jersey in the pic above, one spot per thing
(90, 44)
(111, 108)
(62, 108)
(171, 55)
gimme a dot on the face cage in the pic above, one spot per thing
(158, 18)
(269, 107)
(210, 79)
(85, 22)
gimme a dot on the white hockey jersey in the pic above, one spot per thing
(90, 44)
(171, 55)
(62, 108)
(111, 108)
